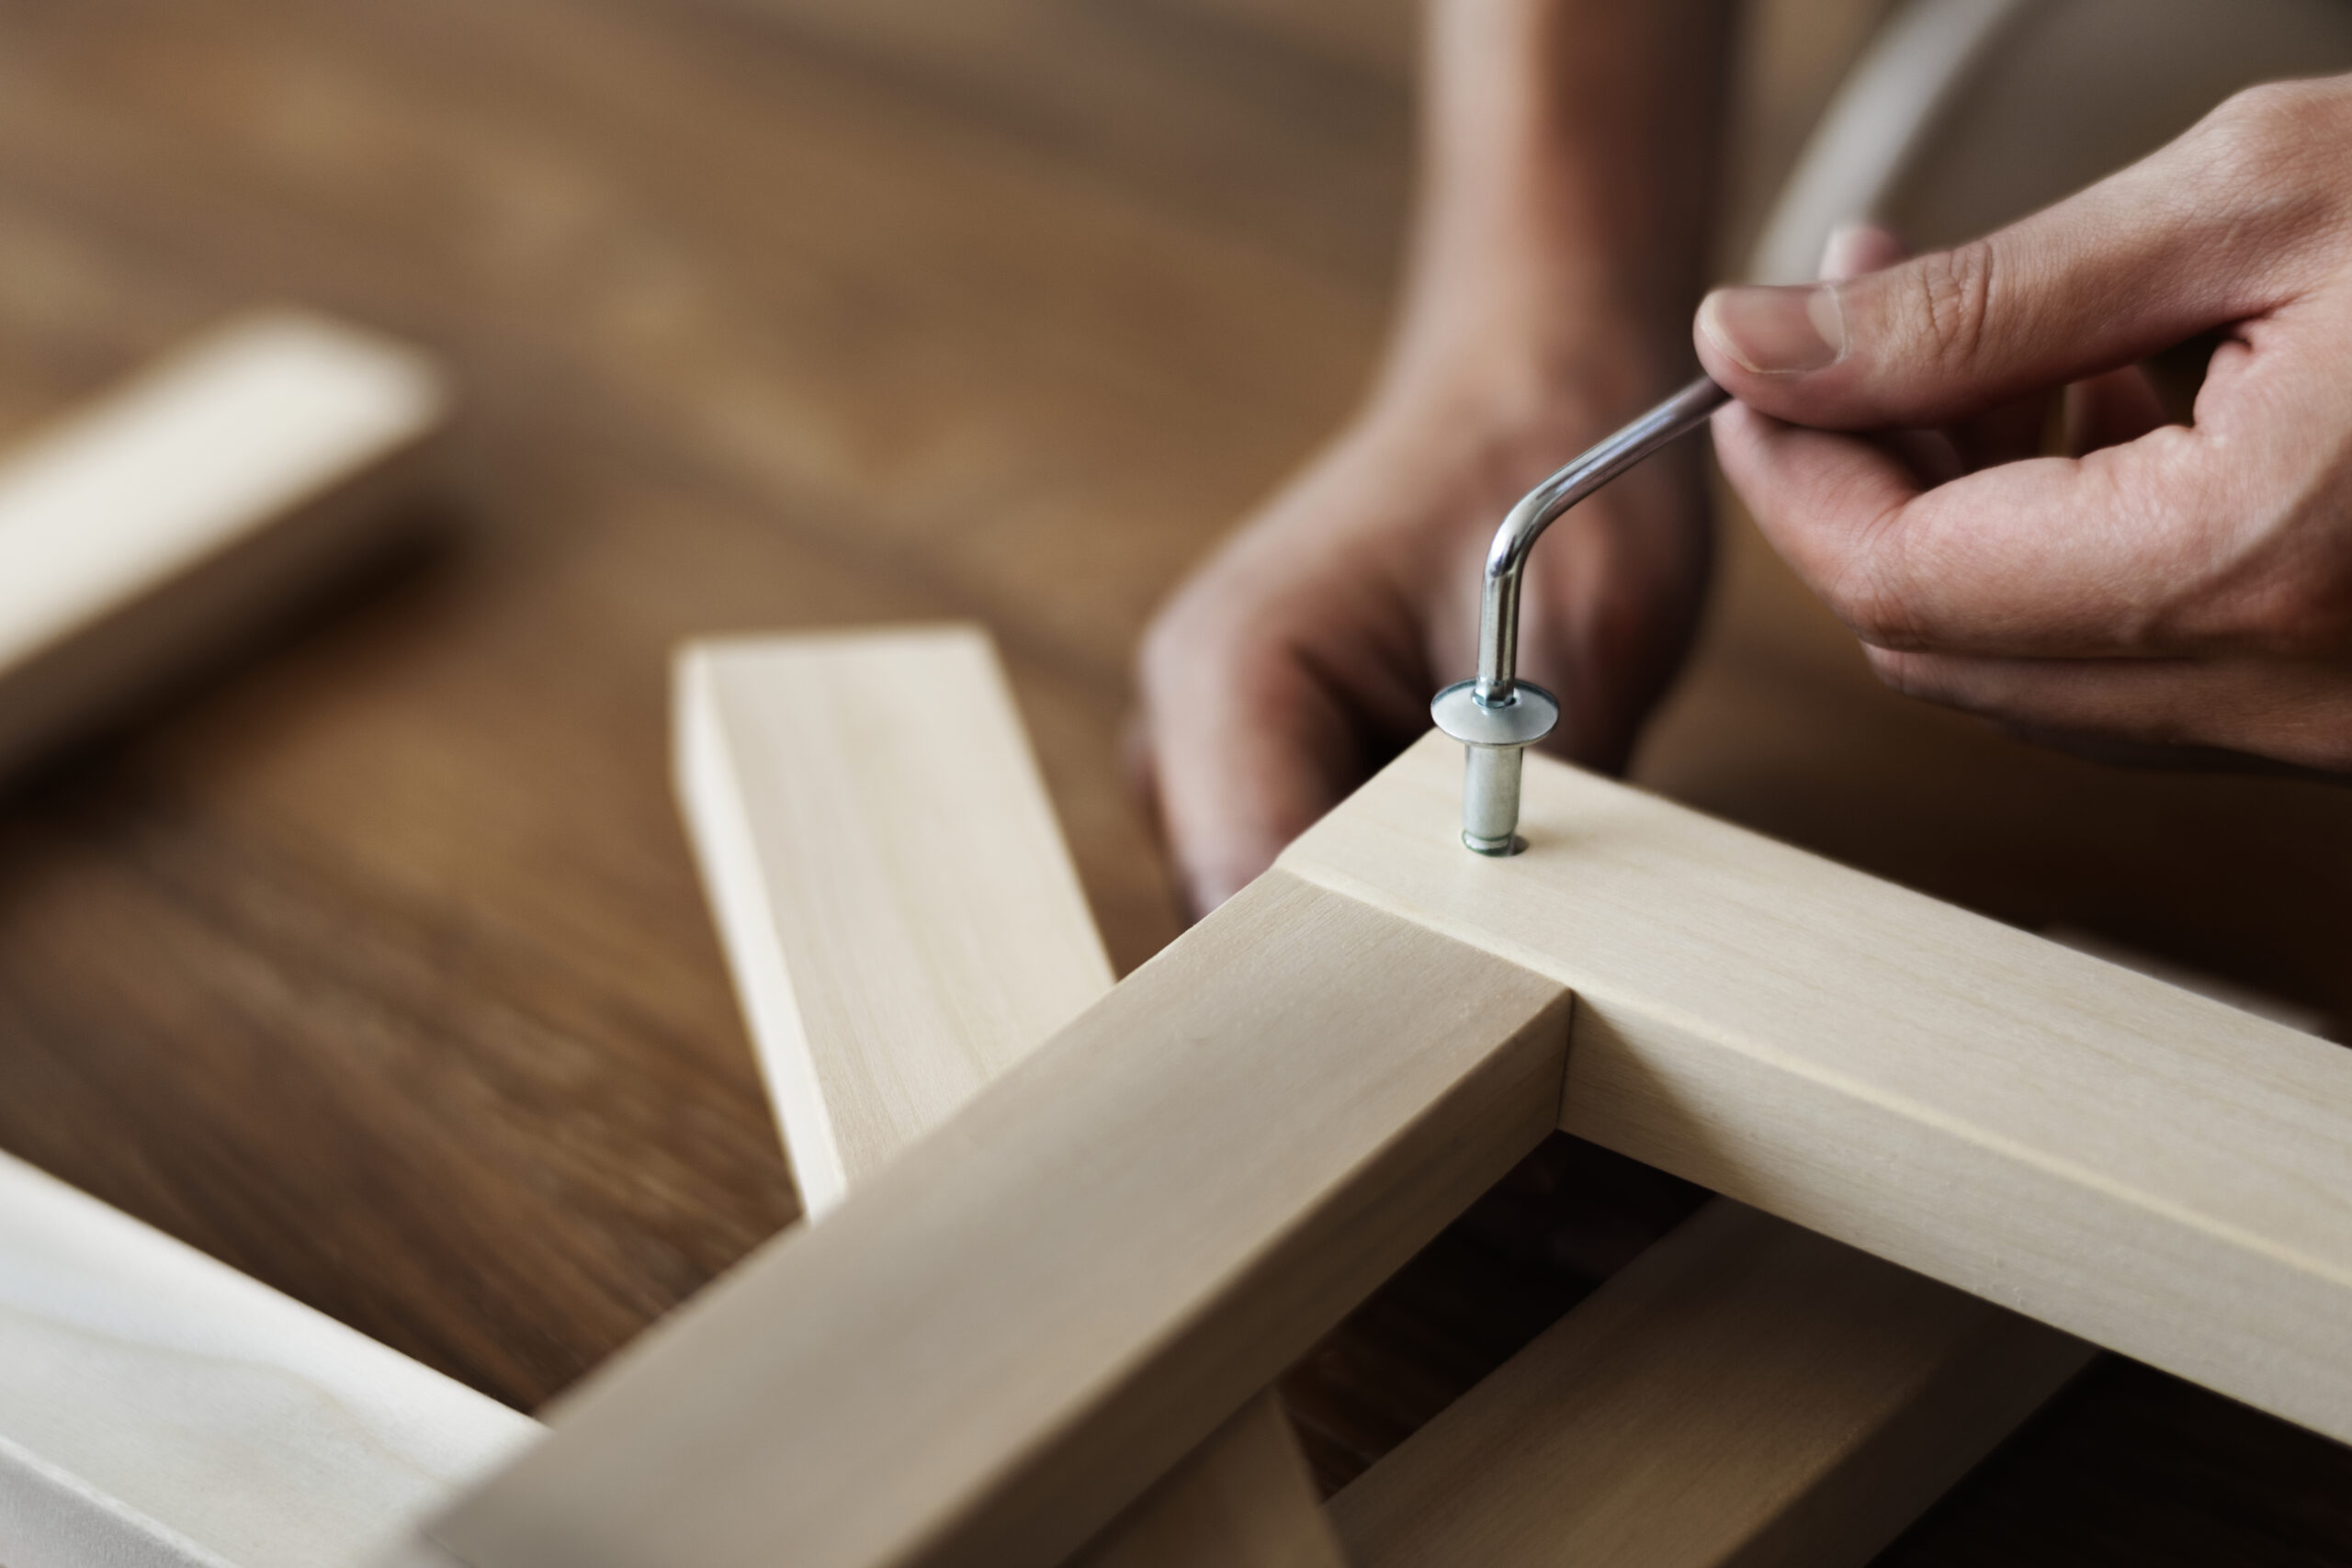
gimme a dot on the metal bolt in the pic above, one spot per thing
(1498, 715)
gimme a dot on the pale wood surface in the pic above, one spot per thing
(160, 1410)
(1018, 1323)
(1744, 1393)
(378, 966)
(2150, 1169)
(902, 919)
(191, 504)
(893, 893)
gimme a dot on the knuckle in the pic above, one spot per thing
(2269, 113)
(1868, 594)
(1872, 615)
(2302, 611)
(2272, 142)
(1953, 304)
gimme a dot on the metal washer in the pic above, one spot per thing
(1526, 716)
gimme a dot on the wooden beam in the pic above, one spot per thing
(2142, 1168)
(159, 1409)
(894, 896)
(902, 931)
(1743, 1394)
(185, 506)
(1016, 1325)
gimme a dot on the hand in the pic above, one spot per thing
(1567, 172)
(1305, 653)
(2153, 583)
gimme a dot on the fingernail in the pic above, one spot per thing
(1776, 331)
(1848, 249)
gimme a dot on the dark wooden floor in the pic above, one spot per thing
(375, 964)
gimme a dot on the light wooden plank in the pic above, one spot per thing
(2155, 1171)
(937, 933)
(1745, 1393)
(158, 1409)
(2142, 1168)
(895, 899)
(1031, 1314)
(177, 511)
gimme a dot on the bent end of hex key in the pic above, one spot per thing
(1497, 716)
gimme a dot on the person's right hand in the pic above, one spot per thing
(2155, 584)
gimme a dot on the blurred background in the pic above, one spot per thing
(378, 966)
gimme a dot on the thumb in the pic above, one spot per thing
(2166, 249)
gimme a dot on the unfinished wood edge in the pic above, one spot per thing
(412, 402)
(1976, 1401)
(1242, 1499)
(417, 1553)
(1622, 1433)
(720, 834)
(49, 1517)
(894, 1387)
(958, 640)
(210, 588)
(158, 1409)
(1263, 1514)
(2124, 1160)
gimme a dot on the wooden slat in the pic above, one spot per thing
(173, 513)
(1745, 1393)
(1035, 1311)
(896, 901)
(2102, 1150)
(903, 932)
(159, 1409)
(2138, 1165)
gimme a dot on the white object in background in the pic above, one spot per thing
(1875, 128)
(139, 531)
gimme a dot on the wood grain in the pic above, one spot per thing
(893, 893)
(2140, 1165)
(903, 922)
(375, 966)
(1743, 1394)
(1023, 1319)
(141, 530)
(158, 1410)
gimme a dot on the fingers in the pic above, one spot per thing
(2197, 235)
(2297, 712)
(2047, 556)
(2110, 410)
(1247, 748)
(1860, 248)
